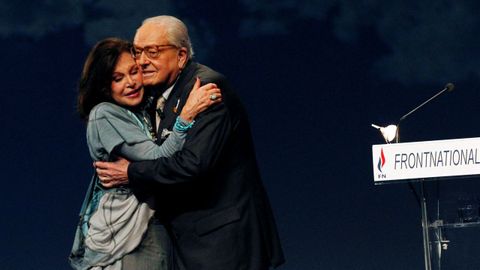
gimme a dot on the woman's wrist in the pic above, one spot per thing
(183, 125)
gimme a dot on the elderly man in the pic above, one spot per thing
(209, 195)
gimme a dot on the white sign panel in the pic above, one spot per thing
(416, 160)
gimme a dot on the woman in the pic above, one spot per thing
(116, 230)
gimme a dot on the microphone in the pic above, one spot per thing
(391, 132)
(448, 88)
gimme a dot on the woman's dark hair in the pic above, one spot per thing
(95, 83)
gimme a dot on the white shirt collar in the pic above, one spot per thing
(167, 92)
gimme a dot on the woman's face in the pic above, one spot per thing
(127, 82)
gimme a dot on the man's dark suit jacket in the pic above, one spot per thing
(210, 194)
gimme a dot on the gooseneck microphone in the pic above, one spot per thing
(391, 132)
(448, 88)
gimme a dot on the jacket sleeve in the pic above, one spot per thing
(201, 151)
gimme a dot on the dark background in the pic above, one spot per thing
(313, 74)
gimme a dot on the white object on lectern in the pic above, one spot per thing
(389, 132)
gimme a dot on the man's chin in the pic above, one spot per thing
(154, 85)
(147, 83)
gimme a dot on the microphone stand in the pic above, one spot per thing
(422, 200)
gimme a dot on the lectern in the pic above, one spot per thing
(424, 161)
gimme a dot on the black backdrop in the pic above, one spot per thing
(313, 74)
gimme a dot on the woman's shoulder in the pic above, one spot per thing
(105, 109)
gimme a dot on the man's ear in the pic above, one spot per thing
(182, 57)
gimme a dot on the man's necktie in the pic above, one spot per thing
(159, 110)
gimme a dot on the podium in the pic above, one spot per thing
(428, 162)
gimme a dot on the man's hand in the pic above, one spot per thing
(113, 174)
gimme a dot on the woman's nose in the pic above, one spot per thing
(130, 81)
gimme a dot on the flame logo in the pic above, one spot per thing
(381, 161)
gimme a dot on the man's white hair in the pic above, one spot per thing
(176, 30)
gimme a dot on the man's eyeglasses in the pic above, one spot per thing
(152, 52)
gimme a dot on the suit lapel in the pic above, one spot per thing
(177, 99)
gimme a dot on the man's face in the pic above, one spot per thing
(161, 62)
